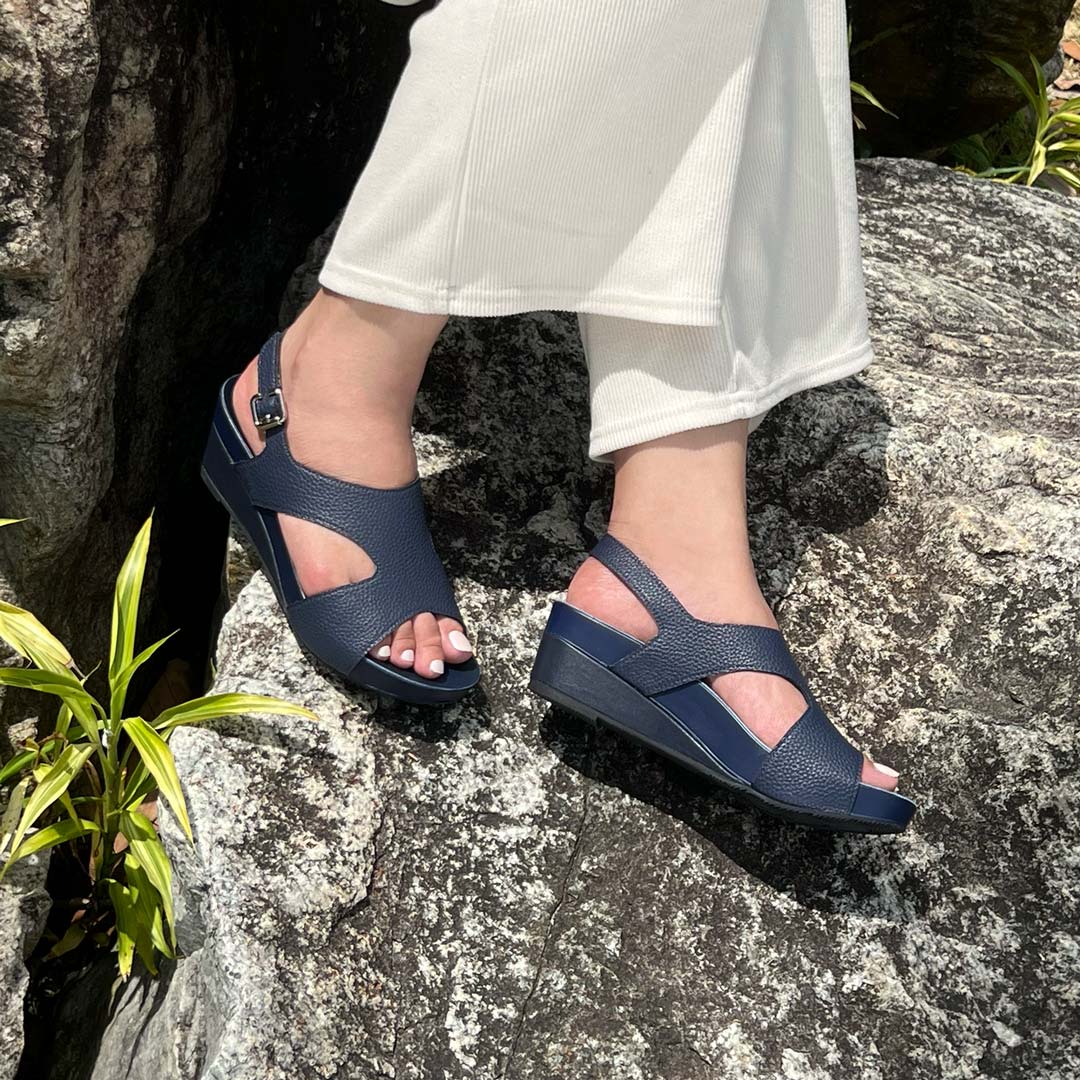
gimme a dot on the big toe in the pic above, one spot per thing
(879, 775)
(456, 647)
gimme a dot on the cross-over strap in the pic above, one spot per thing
(813, 765)
(389, 524)
(686, 649)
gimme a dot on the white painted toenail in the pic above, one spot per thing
(459, 641)
(408, 655)
(885, 769)
(383, 652)
(437, 667)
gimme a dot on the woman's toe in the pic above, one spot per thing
(456, 647)
(403, 646)
(429, 655)
(382, 650)
(879, 775)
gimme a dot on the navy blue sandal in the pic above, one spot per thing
(655, 692)
(341, 625)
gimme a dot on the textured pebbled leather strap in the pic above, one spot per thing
(813, 765)
(686, 649)
(268, 405)
(815, 761)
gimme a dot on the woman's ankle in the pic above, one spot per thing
(349, 374)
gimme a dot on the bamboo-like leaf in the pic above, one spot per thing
(1071, 178)
(10, 521)
(31, 639)
(1038, 163)
(867, 95)
(64, 685)
(59, 833)
(119, 686)
(148, 905)
(126, 603)
(51, 786)
(215, 705)
(158, 759)
(16, 766)
(1019, 79)
(13, 812)
(73, 937)
(138, 785)
(1042, 110)
(123, 903)
(146, 846)
(63, 720)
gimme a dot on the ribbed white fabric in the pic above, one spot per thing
(680, 162)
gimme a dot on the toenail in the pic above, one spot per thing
(437, 667)
(459, 641)
(383, 652)
(885, 769)
(408, 655)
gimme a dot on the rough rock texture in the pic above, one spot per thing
(24, 903)
(111, 148)
(502, 891)
(927, 62)
(145, 146)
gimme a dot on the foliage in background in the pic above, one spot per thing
(1034, 144)
(859, 92)
(87, 784)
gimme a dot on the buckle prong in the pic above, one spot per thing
(268, 410)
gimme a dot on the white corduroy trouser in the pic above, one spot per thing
(678, 172)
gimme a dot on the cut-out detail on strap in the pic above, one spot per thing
(813, 769)
(342, 624)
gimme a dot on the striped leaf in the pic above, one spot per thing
(126, 604)
(215, 705)
(146, 846)
(31, 639)
(158, 759)
(59, 833)
(52, 785)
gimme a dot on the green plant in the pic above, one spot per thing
(859, 92)
(1035, 143)
(86, 783)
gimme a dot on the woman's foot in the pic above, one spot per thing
(350, 371)
(680, 504)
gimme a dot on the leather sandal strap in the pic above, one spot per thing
(268, 405)
(812, 765)
(686, 649)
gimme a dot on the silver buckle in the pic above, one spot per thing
(268, 410)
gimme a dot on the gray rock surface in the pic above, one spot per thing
(24, 903)
(111, 149)
(503, 892)
(927, 62)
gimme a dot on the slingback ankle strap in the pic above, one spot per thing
(268, 405)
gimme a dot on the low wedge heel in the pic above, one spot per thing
(656, 693)
(339, 626)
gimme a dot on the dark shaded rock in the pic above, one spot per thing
(927, 62)
(163, 167)
(501, 891)
(24, 904)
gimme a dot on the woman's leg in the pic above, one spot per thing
(350, 372)
(680, 495)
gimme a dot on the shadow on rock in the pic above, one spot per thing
(518, 504)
